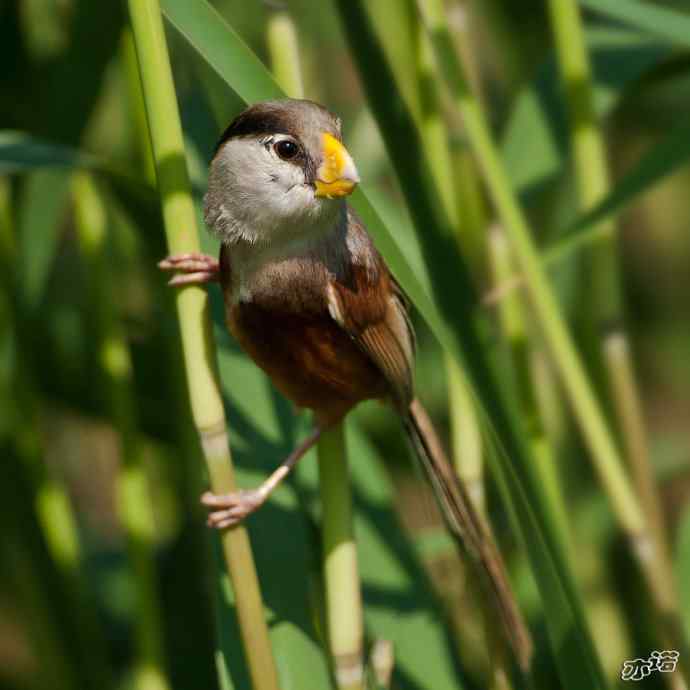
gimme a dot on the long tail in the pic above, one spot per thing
(468, 527)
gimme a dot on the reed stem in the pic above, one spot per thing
(197, 341)
(283, 50)
(345, 620)
(382, 661)
(513, 318)
(466, 436)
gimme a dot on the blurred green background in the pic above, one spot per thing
(108, 573)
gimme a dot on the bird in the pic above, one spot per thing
(311, 300)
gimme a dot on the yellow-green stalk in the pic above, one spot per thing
(585, 406)
(465, 431)
(344, 614)
(466, 437)
(593, 182)
(137, 108)
(382, 660)
(134, 505)
(283, 50)
(513, 318)
(197, 341)
(186, 442)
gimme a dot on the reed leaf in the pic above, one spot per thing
(665, 22)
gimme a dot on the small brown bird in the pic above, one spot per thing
(310, 299)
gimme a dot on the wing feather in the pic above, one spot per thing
(372, 309)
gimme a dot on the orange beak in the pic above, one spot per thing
(337, 175)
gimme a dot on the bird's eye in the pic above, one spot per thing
(286, 149)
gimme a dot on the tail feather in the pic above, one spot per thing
(468, 527)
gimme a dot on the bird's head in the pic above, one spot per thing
(280, 170)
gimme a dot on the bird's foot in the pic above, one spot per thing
(194, 268)
(228, 510)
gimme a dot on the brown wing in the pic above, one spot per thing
(372, 309)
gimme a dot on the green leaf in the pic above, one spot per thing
(39, 227)
(223, 49)
(534, 143)
(20, 152)
(664, 22)
(661, 160)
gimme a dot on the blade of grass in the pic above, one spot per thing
(198, 345)
(38, 232)
(664, 22)
(513, 317)
(661, 160)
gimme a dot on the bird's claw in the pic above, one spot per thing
(229, 510)
(194, 268)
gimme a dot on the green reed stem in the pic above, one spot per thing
(513, 318)
(344, 614)
(580, 393)
(466, 436)
(133, 494)
(606, 302)
(345, 620)
(197, 341)
(589, 153)
(137, 107)
(283, 50)
(382, 661)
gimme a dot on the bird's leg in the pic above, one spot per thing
(194, 268)
(229, 509)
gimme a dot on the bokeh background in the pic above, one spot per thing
(108, 575)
